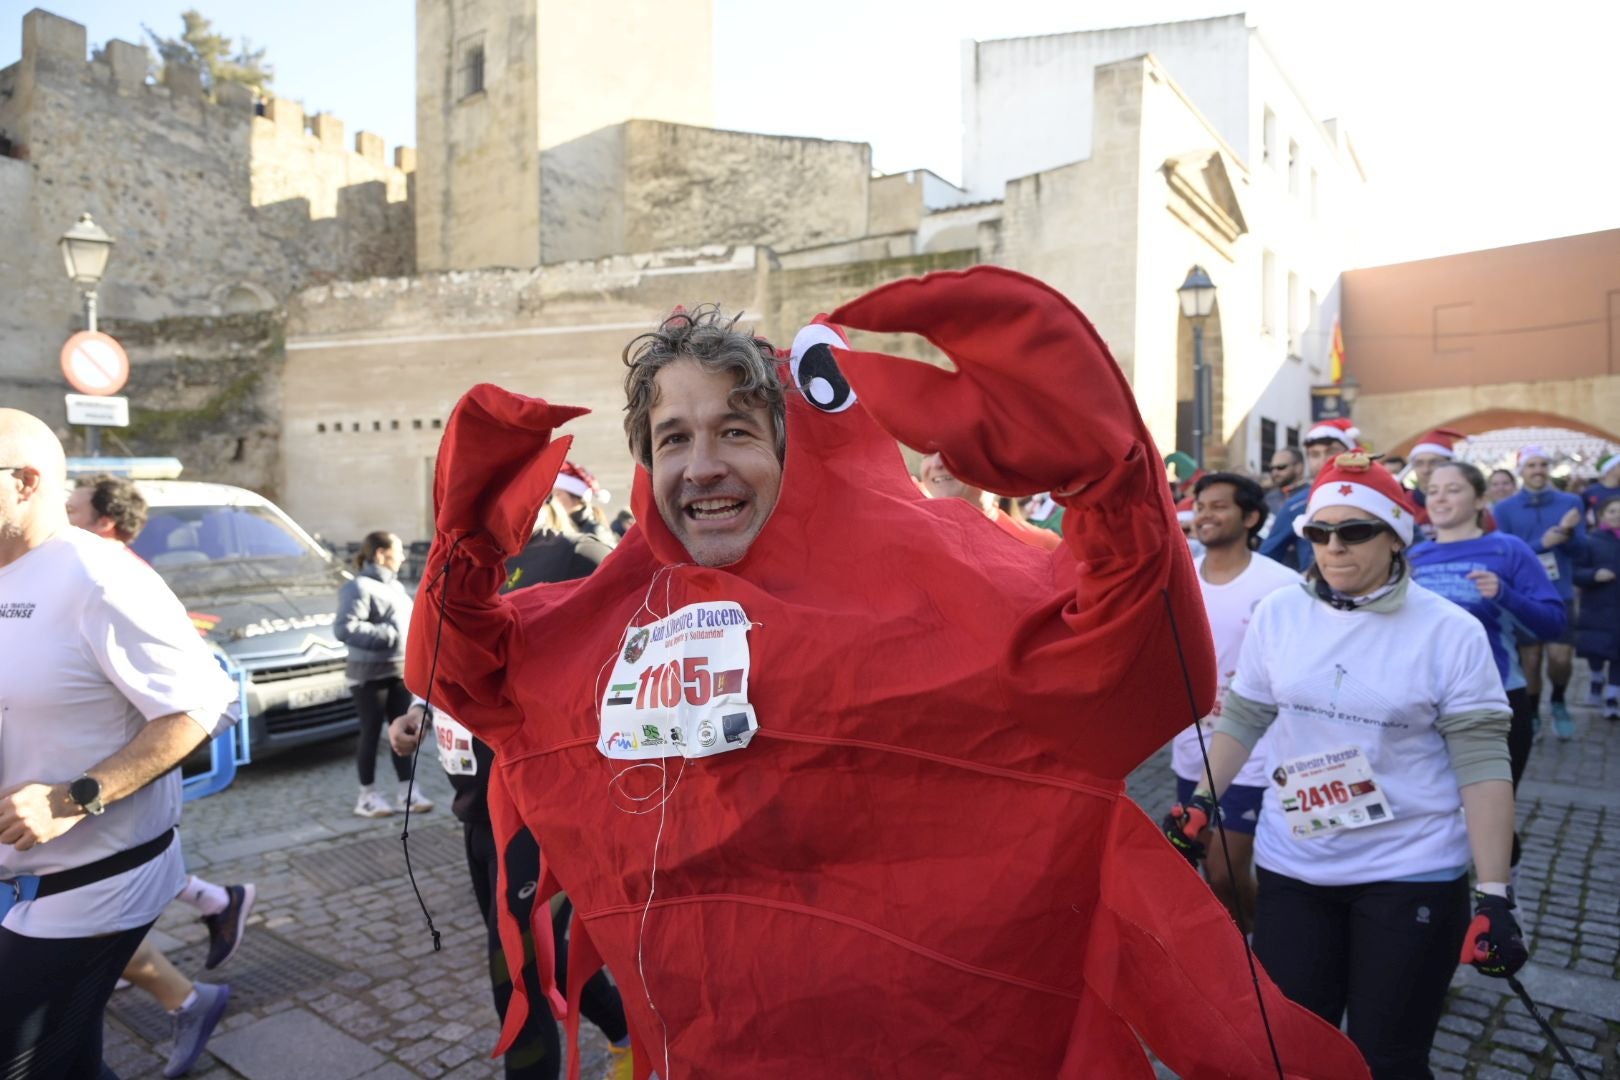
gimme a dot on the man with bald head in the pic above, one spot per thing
(104, 689)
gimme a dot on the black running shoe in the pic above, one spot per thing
(225, 929)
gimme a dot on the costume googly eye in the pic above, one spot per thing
(815, 371)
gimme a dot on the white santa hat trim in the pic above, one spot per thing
(573, 485)
(1348, 437)
(577, 487)
(1432, 448)
(1362, 497)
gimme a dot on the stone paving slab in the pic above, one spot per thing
(294, 1043)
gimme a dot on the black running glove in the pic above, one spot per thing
(1493, 943)
(1183, 824)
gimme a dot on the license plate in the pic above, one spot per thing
(316, 695)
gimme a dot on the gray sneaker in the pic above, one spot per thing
(193, 1026)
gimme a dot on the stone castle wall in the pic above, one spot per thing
(214, 209)
(206, 389)
(647, 185)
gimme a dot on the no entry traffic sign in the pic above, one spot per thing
(95, 363)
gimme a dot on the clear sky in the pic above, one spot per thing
(1480, 123)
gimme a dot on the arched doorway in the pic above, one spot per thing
(1214, 444)
(1495, 436)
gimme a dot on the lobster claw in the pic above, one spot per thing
(1036, 402)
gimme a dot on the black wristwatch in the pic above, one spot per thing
(86, 791)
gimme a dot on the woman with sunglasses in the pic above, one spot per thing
(1387, 718)
(1495, 577)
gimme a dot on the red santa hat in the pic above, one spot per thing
(1441, 441)
(1339, 431)
(578, 481)
(1354, 480)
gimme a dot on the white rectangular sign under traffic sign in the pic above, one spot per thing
(97, 411)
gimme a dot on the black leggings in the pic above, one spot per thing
(51, 1017)
(379, 702)
(1385, 951)
(1521, 737)
(537, 1051)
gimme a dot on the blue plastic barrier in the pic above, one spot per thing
(232, 748)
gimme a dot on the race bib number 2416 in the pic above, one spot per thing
(680, 686)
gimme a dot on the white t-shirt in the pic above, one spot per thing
(95, 645)
(1229, 608)
(1377, 682)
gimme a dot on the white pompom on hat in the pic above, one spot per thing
(1341, 431)
(1355, 480)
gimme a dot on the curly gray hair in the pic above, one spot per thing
(710, 337)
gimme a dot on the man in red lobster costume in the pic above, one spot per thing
(852, 803)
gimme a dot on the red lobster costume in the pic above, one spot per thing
(924, 864)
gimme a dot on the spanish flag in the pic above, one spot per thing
(1336, 359)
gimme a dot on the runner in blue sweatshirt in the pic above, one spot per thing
(1550, 521)
(1497, 577)
(1498, 580)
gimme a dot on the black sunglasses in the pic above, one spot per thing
(1278, 468)
(1351, 532)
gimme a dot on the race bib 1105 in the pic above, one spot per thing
(680, 687)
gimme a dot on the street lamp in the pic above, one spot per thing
(1197, 301)
(85, 249)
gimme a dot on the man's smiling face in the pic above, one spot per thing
(715, 473)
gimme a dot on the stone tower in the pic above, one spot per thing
(500, 81)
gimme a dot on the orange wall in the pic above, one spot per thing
(1547, 310)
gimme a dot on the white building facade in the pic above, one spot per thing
(1032, 107)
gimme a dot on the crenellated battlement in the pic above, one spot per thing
(54, 52)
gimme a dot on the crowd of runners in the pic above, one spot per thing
(1388, 636)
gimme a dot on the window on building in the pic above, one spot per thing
(1268, 132)
(472, 66)
(1295, 167)
(1268, 440)
(1293, 437)
(1268, 292)
(1295, 323)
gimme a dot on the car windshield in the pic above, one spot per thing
(189, 536)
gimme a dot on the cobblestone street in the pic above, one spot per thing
(337, 978)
